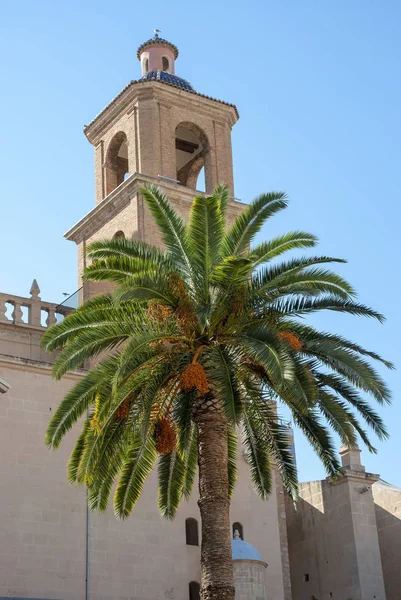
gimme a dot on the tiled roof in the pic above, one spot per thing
(156, 41)
(168, 78)
(137, 81)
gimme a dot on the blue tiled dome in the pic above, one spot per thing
(243, 551)
(167, 78)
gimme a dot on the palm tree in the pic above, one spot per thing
(198, 344)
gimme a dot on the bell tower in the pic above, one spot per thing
(158, 129)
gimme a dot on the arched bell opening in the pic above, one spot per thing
(192, 157)
(116, 162)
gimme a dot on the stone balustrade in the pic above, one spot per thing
(40, 314)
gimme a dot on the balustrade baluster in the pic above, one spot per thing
(51, 317)
(3, 310)
(17, 313)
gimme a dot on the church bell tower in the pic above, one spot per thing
(160, 130)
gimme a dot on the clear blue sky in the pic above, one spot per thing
(318, 88)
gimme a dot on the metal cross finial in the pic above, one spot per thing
(156, 32)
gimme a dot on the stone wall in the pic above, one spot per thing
(333, 542)
(387, 499)
(42, 518)
(250, 580)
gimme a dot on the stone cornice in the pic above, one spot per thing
(355, 476)
(35, 366)
(135, 89)
(121, 197)
(241, 561)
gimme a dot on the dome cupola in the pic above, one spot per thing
(157, 54)
(157, 57)
(242, 550)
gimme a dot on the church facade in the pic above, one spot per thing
(160, 130)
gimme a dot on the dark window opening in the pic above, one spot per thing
(119, 234)
(165, 63)
(238, 527)
(306, 577)
(194, 590)
(191, 532)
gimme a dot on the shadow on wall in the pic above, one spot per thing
(389, 530)
(321, 544)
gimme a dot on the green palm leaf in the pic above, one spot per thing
(78, 400)
(190, 458)
(258, 458)
(283, 243)
(171, 226)
(171, 474)
(232, 442)
(205, 232)
(222, 365)
(137, 465)
(249, 222)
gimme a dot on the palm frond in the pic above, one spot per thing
(283, 243)
(258, 457)
(221, 368)
(300, 276)
(348, 364)
(190, 458)
(144, 287)
(262, 346)
(263, 414)
(338, 418)
(171, 475)
(137, 465)
(78, 400)
(76, 454)
(296, 305)
(143, 256)
(182, 415)
(232, 442)
(205, 230)
(100, 449)
(349, 393)
(249, 222)
(222, 194)
(319, 438)
(171, 226)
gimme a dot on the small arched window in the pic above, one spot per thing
(194, 590)
(191, 532)
(145, 66)
(165, 63)
(119, 235)
(238, 527)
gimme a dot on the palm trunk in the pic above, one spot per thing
(216, 560)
